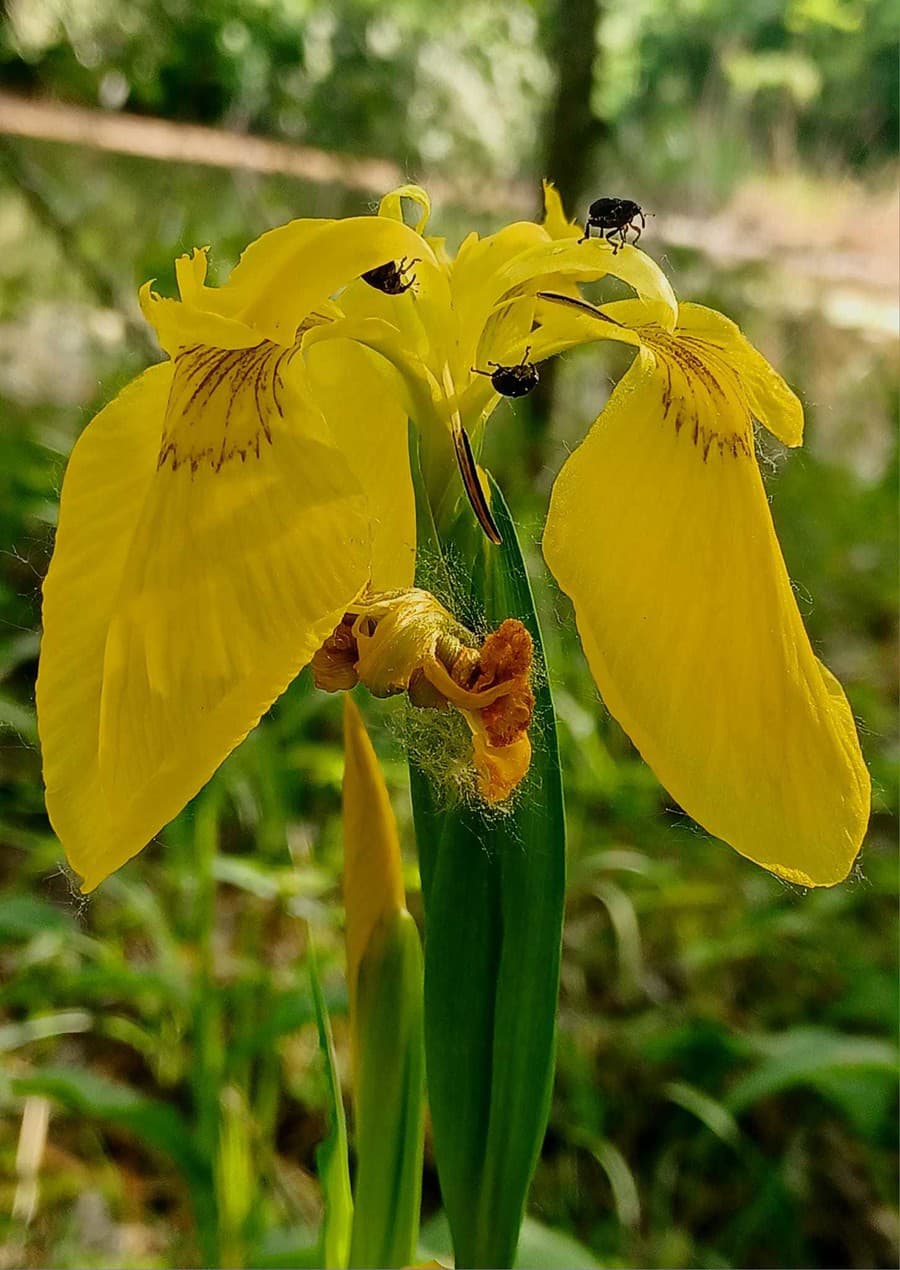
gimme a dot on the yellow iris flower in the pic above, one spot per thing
(224, 514)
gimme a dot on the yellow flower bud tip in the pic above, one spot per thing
(406, 641)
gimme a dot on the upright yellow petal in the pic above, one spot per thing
(392, 204)
(588, 262)
(478, 274)
(287, 272)
(285, 275)
(660, 532)
(556, 222)
(206, 546)
(489, 272)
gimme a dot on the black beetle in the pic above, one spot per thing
(512, 381)
(614, 216)
(390, 278)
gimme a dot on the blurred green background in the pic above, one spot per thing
(727, 1085)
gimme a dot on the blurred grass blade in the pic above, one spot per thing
(236, 1194)
(803, 1054)
(626, 1199)
(540, 1248)
(63, 1023)
(708, 1111)
(154, 1124)
(493, 886)
(384, 980)
(332, 1164)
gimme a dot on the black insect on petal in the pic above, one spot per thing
(512, 381)
(391, 277)
(613, 217)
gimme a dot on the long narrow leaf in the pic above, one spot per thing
(332, 1161)
(154, 1124)
(493, 885)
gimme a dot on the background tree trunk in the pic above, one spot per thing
(573, 135)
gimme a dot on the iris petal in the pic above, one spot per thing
(179, 604)
(285, 275)
(556, 223)
(287, 272)
(688, 621)
(771, 401)
(588, 262)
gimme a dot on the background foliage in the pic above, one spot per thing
(726, 1091)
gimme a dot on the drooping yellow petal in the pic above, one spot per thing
(370, 428)
(660, 532)
(771, 401)
(189, 584)
(110, 471)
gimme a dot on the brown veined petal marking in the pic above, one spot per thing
(702, 392)
(222, 402)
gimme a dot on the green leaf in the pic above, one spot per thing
(708, 1111)
(540, 1248)
(18, 718)
(155, 1125)
(389, 1100)
(15, 1035)
(24, 916)
(297, 1248)
(493, 885)
(803, 1056)
(332, 1162)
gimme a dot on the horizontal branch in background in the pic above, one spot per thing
(171, 142)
